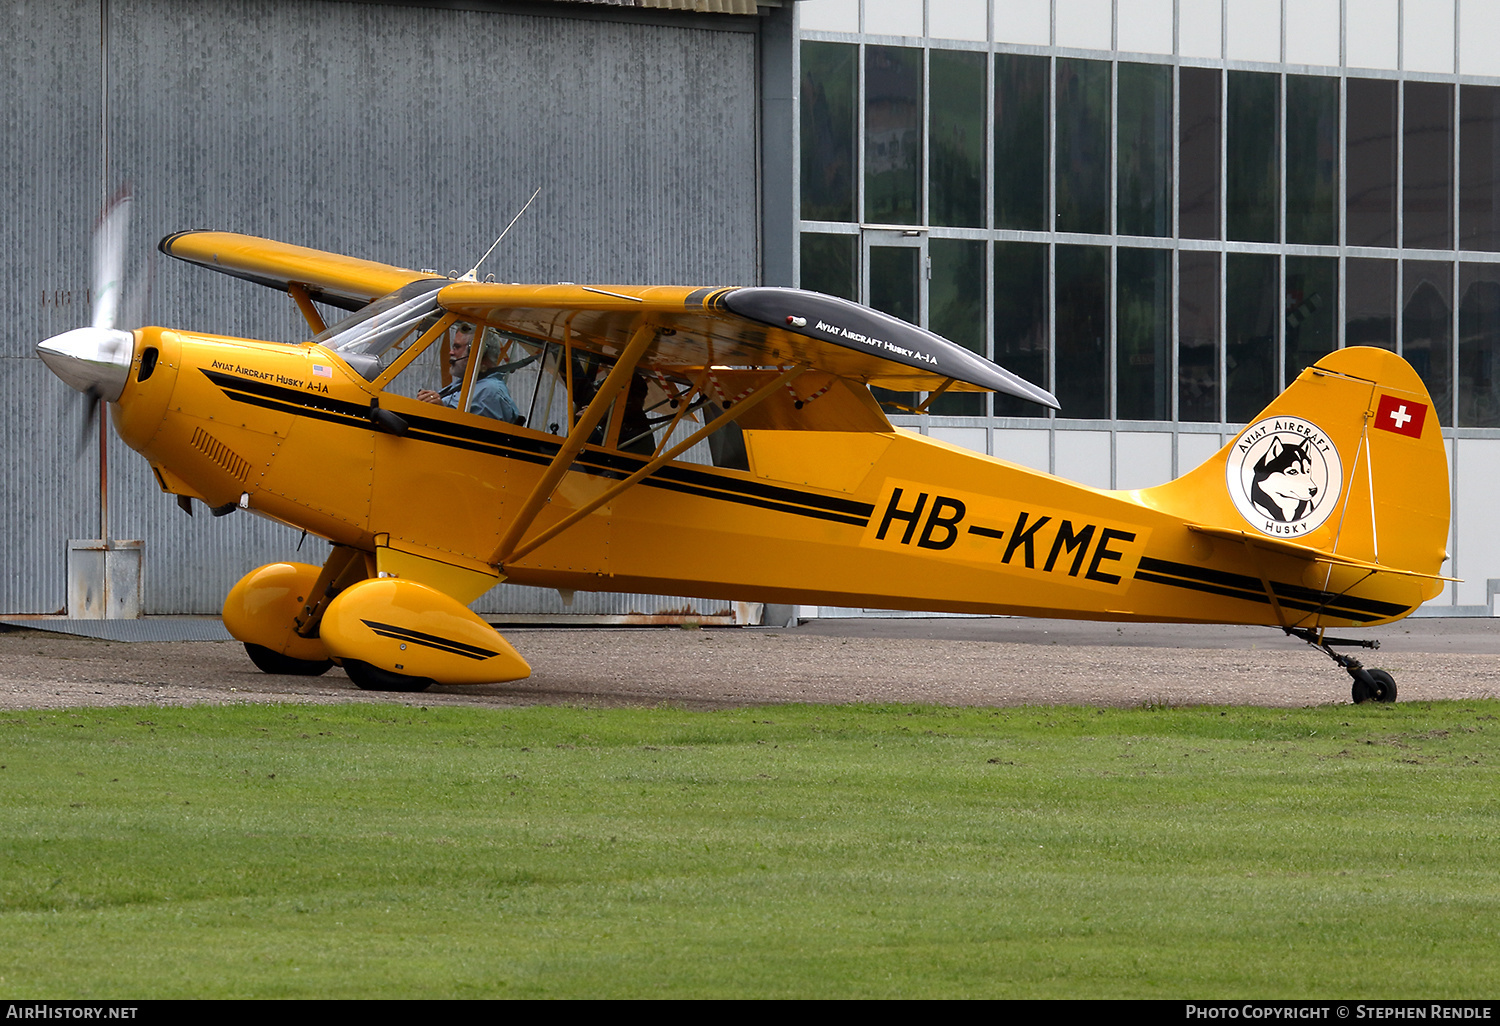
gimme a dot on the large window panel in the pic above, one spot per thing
(1252, 310)
(1143, 334)
(1083, 146)
(955, 310)
(1371, 163)
(1082, 319)
(1427, 163)
(1199, 179)
(1312, 303)
(893, 135)
(830, 264)
(1253, 157)
(829, 92)
(896, 290)
(1479, 345)
(1370, 303)
(1427, 329)
(1021, 150)
(1198, 336)
(1144, 144)
(1312, 160)
(1479, 168)
(1021, 320)
(956, 158)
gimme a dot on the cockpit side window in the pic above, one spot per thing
(502, 376)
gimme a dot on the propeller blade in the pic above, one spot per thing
(90, 419)
(109, 259)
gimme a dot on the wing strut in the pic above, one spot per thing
(613, 385)
(305, 304)
(658, 461)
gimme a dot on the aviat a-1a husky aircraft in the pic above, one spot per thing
(450, 434)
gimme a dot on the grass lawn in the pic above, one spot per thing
(830, 851)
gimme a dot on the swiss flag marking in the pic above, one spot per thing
(1403, 416)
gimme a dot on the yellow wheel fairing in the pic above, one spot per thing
(262, 609)
(408, 628)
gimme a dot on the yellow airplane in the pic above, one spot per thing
(452, 434)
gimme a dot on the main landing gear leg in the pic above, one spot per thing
(1369, 685)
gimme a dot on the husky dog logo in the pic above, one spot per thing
(1284, 476)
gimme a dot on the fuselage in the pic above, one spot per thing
(881, 518)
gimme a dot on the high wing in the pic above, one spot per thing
(741, 327)
(344, 282)
(753, 327)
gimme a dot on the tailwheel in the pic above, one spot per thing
(1369, 685)
(271, 661)
(1377, 686)
(373, 678)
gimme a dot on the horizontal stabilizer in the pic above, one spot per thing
(1289, 548)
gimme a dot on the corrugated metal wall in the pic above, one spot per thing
(410, 135)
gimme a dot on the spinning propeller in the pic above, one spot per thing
(96, 360)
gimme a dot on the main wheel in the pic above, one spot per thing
(271, 661)
(1382, 688)
(373, 678)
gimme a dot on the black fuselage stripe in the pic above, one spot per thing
(1282, 589)
(1215, 589)
(1250, 589)
(540, 452)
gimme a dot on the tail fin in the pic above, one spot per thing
(1347, 466)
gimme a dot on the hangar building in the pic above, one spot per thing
(1159, 209)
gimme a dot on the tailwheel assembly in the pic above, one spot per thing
(1369, 685)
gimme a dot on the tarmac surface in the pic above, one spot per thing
(955, 661)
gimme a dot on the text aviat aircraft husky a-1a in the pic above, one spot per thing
(547, 453)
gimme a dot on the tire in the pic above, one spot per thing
(1385, 686)
(1381, 688)
(274, 662)
(373, 678)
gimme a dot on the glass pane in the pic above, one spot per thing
(955, 310)
(1143, 334)
(1479, 345)
(1144, 189)
(957, 140)
(893, 135)
(1370, 303)
(1021, 320)
(1082, 146)
(1427, 329)
(828, 127)
(1252, 156)
(1479, 160)
(1371, 163)
(1199, 171)
(1251, 311)
(1427, 209)
(829, 264)
(1198, 336)
(1312, 160)
(1021, 141)
(893, 290)
(1312, 291)
(1082, 319)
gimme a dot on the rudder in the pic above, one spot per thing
(1348, 460)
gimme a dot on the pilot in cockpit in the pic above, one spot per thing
(489, 397)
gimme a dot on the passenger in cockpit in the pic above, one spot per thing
(489, 396)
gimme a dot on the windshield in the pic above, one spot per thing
(369, 339)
